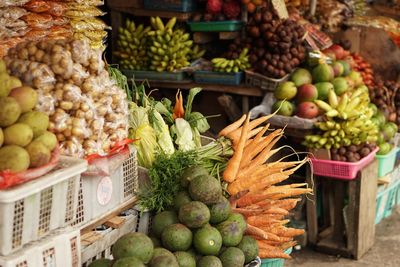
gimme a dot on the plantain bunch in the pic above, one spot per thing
(169, 49)
(347, 121)
(232, 65)
(132, 45)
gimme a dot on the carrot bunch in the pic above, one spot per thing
(252, 183)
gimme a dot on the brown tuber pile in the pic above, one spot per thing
(276, 46)
(352, 153)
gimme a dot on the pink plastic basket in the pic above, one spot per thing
(341, 170)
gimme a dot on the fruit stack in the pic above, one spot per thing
(160, 47)
(337, 93)
(276, 46)
(220, 10)
(241, 63)
(383, 95)
(24, 140)
(199, 230)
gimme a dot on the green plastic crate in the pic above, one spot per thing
(386, 162)
(385, 201)
(216, 26)
(174, 5)
(177, 76)
(275, 262)
(213, 77)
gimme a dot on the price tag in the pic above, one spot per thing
(280, 7)
(104, 191)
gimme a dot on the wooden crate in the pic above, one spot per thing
(343, 229)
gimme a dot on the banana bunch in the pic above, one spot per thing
(347, 107)
(169, 49)
(347, 121)
(197, 53)
(232, 65)
(132, 43)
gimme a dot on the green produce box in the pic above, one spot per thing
(178, 76)
(386, 162)
(385, 201)
(216, 26)
(218, 77)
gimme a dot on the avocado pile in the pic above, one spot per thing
(199, 230)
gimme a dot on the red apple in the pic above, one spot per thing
(338, 50)
(306, 93)
(307, 110)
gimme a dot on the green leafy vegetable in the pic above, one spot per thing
(184, 135)
(141, 130)
(162, 132)
(165, 174)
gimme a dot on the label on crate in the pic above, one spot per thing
(104, 191)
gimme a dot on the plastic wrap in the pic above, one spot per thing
(52, 8)
(39, 21)
(9, 179)
(88, 24)
(106, 165)
(88, 112)
(8, 3)
(278, 120)
(12, 12)
(7, 33)
(85, 12)
(32, 73)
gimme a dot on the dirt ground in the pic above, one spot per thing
(385, 252)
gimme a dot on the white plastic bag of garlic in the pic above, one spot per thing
(88, 111)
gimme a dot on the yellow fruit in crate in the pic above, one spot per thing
(48, 139)
(9, 111)
(38, 121)
(25, 96)
(39, 154)
(18, 134)
(1, 137)
(14, 158)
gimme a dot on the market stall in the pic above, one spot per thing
(219, 133)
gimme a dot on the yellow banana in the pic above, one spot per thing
(323, 105)
(332, 99)
(171, 23)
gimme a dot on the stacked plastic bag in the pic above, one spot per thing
(24, 20)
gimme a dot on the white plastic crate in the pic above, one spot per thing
(32, 210)
(101, 248)
(60, 249)
(100, 194)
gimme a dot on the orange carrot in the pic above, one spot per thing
(179, 111)
(283, 231)
(232, 169)
(258, 222)
(288, 245)
(248, 212)
(251, 198)
(232, 127)
(273, 254)
(254, 150)
(292, 192)
(252, 133)
(253, 124)
(262, 157)
(252, 230)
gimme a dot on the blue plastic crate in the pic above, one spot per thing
(213, 77)
(171, 5)
(386, 200)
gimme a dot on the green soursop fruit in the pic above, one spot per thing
(205, 189)
(133, 245)
(194, 214)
